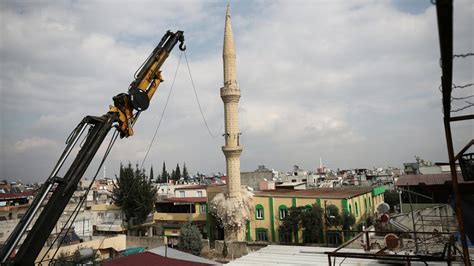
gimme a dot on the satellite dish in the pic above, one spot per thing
(392, 241)
(383, 208)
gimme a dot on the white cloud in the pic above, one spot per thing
(29, 144)
(353, 82)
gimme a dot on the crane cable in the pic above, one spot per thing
(80, 203)
(162, 112)
(197, 99)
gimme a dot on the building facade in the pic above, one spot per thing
(272, 206)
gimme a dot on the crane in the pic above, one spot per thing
(122, 115)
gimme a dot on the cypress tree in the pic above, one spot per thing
(177, 172)
(185, 172)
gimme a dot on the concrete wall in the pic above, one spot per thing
(235, 249)
(146, 242)
(252, 179)
(117, 243)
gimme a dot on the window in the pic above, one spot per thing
(261, 234)
(199, 193)
(181, 194)
(203, 208)
(357, 209)
(259, 214)
(350, 209)
(282, 211)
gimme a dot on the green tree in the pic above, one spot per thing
(185, 172)
(348, 220)
(134, 193)
(391, 198)
(334, 218)
(164, 174)
(173, 175)
(151, 173)
(291, 223)
(177, 173)
(312, 222)
(190, 239)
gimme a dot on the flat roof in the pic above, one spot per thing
(305, 255)
(328, 193)
(429, 180)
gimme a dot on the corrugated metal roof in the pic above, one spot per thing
(303, 255)
(330, 193)
(148, 258)
(428, 180)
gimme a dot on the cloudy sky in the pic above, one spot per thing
(353, 82)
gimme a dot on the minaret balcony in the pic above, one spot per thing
(232, 151)
(230, 93)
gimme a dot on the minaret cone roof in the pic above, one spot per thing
(229, 47)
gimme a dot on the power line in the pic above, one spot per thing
(462, 55)
(162, 112)
(462, 98)
(469, 105)
(197, 98)
(462, 86)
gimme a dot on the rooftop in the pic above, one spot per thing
(185, 199)
(329, 193)
(176, 254)
(25, 194)
(429, 180)
(149, 258)
(305, 255)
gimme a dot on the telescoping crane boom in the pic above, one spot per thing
(122, 115)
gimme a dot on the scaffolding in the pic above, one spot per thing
(444, 12)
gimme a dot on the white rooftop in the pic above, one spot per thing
(303, 255)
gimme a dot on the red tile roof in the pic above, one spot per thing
(186, 199)
(192, 187)
(20, 195)
(428, 180)
(329, 193)
(148, 258)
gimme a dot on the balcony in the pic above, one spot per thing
(182, 217)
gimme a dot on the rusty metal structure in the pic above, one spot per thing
(444, 12)
(398, 247)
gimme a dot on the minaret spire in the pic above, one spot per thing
(228, 52)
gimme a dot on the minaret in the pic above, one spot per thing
(230, 95)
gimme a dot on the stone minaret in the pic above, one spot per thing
(230, 95)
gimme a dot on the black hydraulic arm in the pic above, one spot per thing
(122, 116)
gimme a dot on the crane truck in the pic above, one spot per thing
(53, 196)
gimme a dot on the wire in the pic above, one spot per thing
(462, 86)
(197, 98)
(462, 98)
(469, 105)
(162, 112)
(79, 205)
(463, 55)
